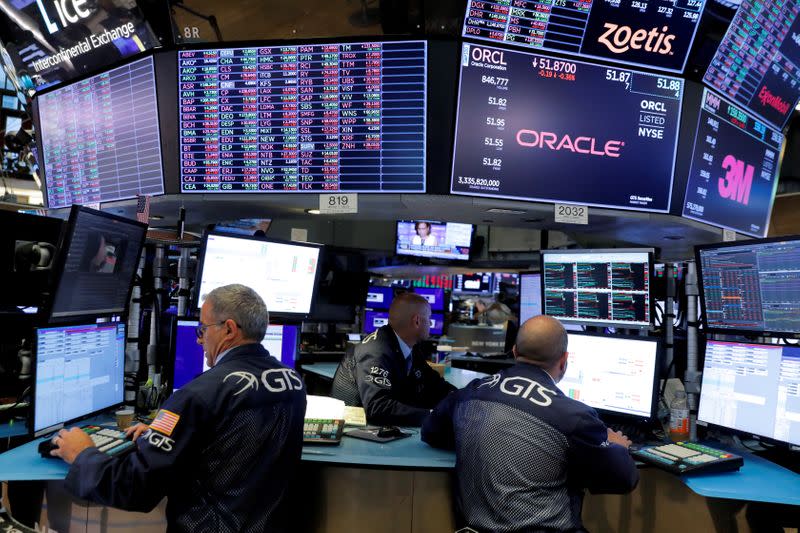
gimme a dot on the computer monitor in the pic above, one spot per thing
(79, 371)
(473, 283)
(189, 362)
(530, 295)
(379, 297)
(751, 287)
(752, 388)
(374, 320)
(97, 261)
(428, 238)
(437, 324)
(435, 297)
(283, 273)
(598, 287)
(616, 375)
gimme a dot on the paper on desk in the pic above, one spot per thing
(325, 408)
(355, 416)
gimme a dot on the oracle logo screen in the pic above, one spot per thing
(527, 130)
(632, 32)
(734, 172)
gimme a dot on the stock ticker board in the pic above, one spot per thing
(757, 63)
(535, 128)
(311, 118)
(649, 33)
(734, 172)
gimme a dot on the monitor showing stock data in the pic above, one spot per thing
(734, 172)
(304, 118)
(593, 287)
(751, 287)
(530, 295)
(527, 129)
(654, 34)
(612, 374)
(752, 388)
(100, 138)
(757, 63)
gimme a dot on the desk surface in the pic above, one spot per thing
(456, 376)
(410, 452)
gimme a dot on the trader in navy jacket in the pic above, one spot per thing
(222, 448)
(388, 373)
(524, 451)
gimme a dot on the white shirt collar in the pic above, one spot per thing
(223, 354)
(405, 348)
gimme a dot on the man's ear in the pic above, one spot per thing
(514, 351)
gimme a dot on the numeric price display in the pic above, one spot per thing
(310, 118)
(734, 172)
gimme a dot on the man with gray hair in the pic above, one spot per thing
(525, 452)
(222, 448)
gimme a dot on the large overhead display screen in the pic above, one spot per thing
(652, 33)
(322, 117)
(758, 62)
(734, 173)
(534, 128)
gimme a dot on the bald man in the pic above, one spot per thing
(387, 375)
(524, 451)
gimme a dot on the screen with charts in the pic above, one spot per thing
(79, 371)
(734, 172)
(612, 374)
(655, 34)
(283, 274)
(530, 295)
(96, 264)
(190, 362)
(751, 287)
(526, 130)
(304, 118)
(753, 388)
(375, 320)
(610, 287)
(100, 138)
(426, 238)
(758, 61)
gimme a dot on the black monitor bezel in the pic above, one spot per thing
(614, 324)
(656, 374)
(32, 431)
(195, 307)
(737, 331)
(457, 260)
(61, 259)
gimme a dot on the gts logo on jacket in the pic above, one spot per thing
(528, 389)
(275, 380)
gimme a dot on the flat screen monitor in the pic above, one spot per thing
(10, 102)
(379, 297)
(734, 171)
(598, 287)
(304, 118)
(645, 34)
(438, 240)
(530, 295)
(615, 375)
(189, 360)
(473, 283)
(526, 130)
(437, 324)
(435, 297)
(756, 62)
(79, 371)
(752, 388)
(97, 262)
(751, 287)
(13, 124)
(284, 274)
(374, 320)
(100, 139)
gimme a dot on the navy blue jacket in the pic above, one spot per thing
(525, 452)
(222, 449)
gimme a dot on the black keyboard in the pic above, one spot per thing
(688, 458)
(322, 431)
(109, 441)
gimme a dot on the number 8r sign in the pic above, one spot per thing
(338, 204)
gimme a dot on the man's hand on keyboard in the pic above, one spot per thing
(71, 443)
(617, 437)
(136, 430)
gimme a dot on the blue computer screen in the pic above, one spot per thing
(754, 388)
(530, 296)
(374, 320)
(734, 172)
(434, 296)
(79, 371)
(535, 128)
(379, 297)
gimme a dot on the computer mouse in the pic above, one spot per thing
(386, 432)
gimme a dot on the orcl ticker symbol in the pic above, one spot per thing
(737, 181)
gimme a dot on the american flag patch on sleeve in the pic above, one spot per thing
(165, 422)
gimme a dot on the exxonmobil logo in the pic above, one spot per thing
(620, 39)
(578, 145)
(773, 100)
